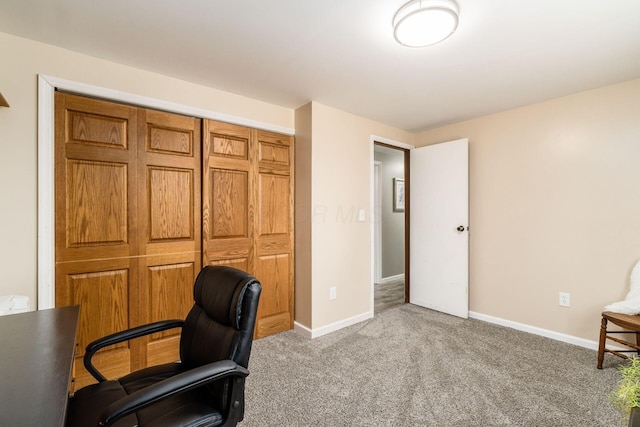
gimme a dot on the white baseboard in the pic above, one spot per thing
(390, 279)
(323, 330)
(302, 330)
(581, 342)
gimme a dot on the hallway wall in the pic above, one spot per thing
(392, 222)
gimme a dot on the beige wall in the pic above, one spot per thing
(341, 185)
(23, 61)
(554, 203)
(554, 206)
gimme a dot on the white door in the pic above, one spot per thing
(439, 219)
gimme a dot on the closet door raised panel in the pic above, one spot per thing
(169, 295)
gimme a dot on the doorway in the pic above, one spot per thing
(436, 251)
(390, 227)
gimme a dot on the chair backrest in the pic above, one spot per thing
(220, 325)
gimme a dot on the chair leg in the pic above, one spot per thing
(603, 337)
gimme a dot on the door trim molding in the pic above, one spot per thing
(377, 221)
(46, 183)
(372, 140)
(46, 200)
(387, 141)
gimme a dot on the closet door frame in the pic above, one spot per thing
(47, 86)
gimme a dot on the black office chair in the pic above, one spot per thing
(206, 387)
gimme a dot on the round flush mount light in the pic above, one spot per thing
(421, 23)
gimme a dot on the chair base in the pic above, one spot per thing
(630, 323)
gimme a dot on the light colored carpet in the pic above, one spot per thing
(411, 366)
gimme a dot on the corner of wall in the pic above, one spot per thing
(303, 203)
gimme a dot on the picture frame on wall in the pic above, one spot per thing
(398, 195)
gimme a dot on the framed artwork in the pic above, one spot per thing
(398, 195)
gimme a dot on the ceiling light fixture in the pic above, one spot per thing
(421, 23)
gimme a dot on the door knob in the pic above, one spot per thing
(460, 228)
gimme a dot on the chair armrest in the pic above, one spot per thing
(172, 386)
(121, 336)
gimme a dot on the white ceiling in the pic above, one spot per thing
(341, 53)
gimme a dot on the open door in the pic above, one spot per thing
(439, 217)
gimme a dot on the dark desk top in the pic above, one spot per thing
(36, 356)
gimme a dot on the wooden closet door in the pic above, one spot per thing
(274, 232)
(169, 217)
(248, 213)
(96, 224)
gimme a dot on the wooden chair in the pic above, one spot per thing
(631, 324)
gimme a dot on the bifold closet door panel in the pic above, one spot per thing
(96, 224)
(169, 210)
(275, 232)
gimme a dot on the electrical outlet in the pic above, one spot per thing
(565, 299)
(332, 293)
(361, 215)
